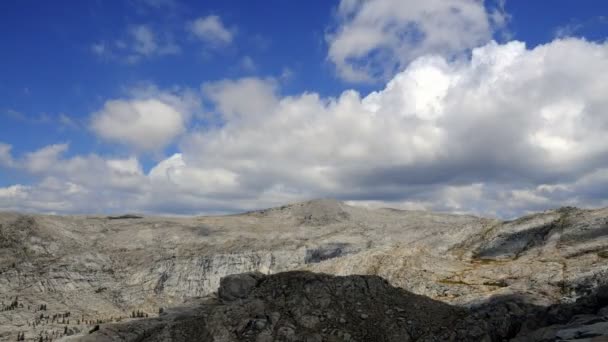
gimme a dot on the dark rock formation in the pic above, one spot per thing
(125, 217)
(304, 306)
(238, 286)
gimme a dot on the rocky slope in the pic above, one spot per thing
(301, 306)
(550, 257)
(101, 269)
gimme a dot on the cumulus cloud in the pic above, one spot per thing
(148, 122)
(373, 39)
(508, 131)
(211, 30)
(75, 184)
(43, 160)
(144, 124)
(510, 120)
(246, 97)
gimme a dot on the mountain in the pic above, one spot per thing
(93, 270)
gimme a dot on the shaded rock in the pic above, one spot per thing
(237, 286)
(356, 312)
(327, 251)
(125, 217)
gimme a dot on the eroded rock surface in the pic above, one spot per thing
(101, 269)
(303, 306)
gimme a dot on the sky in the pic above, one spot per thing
(494, 108)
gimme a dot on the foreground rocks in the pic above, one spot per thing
(303, 306)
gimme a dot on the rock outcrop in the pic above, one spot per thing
(101, 269)
(302, 306)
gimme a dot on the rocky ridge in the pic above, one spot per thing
(303, 306)
(102, 269)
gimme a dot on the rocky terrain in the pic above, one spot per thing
(63, 276)
(303, 306)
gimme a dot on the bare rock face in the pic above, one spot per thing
(99, 270)
(557, 255)
(237, 286)
(312, 213)
(303, 306)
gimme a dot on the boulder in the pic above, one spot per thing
(237, 286)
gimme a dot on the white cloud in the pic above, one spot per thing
(246, 97)
(509, 120)
(12, 191)
(247, 64)
(146, 125)
(144, 40)
(140, 42)
(41, 118)
(67, 121)
(211, 30)
(286, 74)
(509, 131)
(175, 172)
(76, 184)
(373, 39)
(575, 26)
(146, 43)
(6, 159)
(44, 160)
(148, 120)
(128, 166)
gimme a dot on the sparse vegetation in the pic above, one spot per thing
(409, 249)
(138, 314)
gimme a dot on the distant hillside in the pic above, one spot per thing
(92, 270)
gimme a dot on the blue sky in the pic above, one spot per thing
(172, 85)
